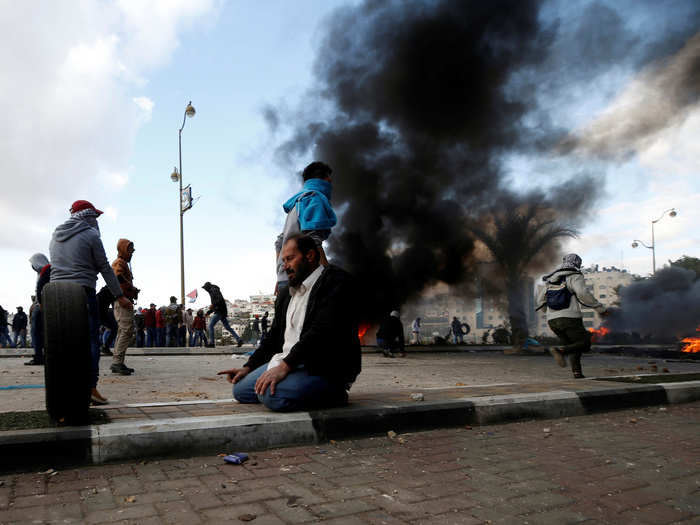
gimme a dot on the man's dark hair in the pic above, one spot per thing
(316, 170)
(173, 299)
(305, 243)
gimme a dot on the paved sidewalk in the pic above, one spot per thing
(633, 466)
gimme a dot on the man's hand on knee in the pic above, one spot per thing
(235, 374)
(271, 377)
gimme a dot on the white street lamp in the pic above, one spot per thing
(176, 176)
(671, 213)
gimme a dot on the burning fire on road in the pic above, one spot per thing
(598, 334)
(691, 345)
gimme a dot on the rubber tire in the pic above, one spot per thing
(68, 360)
(462, 328)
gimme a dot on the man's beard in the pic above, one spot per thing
(302, 272)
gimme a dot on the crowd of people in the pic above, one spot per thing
(293, 366)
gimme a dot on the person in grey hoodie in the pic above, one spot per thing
(561, 297)
(77, 255)
(40, 264)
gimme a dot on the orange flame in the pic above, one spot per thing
(599, 333)
(362, 330)
(691, 345)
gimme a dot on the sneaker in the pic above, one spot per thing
(34, 362)
(240, 343)
(121, 369)
(209, 345)
(105, 351)
(387, 353)
(558, 356)
(579, 375)
(97, 399)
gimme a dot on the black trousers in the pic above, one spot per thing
(574, 337)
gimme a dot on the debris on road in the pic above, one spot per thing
(417, 396)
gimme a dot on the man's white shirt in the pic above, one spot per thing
(296, 313)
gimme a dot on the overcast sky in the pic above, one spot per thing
(94, 94)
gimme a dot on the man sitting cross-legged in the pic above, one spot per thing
(311, 355)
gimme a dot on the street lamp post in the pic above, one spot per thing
(177, 176)
(671, 213)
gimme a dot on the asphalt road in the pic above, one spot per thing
(182, 378)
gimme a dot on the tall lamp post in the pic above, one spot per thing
(671, 213)
(177, 176)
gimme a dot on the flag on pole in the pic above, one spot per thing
(192, 295)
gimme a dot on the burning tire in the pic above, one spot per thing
(67, 366)
(465, 328)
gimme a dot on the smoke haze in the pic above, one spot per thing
(665, 305)
(419, 106)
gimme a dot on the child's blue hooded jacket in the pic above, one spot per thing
(315, 211)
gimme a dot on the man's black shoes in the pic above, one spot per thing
(240, 343)
(121, 369)
(105, 351)
(34, 362)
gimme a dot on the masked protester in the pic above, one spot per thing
(564, 291)
(77, 255)
(124, 315)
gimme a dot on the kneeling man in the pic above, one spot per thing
(311, 355)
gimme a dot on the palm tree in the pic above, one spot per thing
(516, 236)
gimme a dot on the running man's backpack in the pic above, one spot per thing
(558, 296)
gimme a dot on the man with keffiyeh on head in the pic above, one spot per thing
(77, 255)
(564, 291)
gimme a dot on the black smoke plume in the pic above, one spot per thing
(418, 106)
(665, 305)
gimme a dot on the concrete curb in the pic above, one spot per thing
(142, 439)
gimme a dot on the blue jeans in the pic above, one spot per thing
(139, 338)
(94, 327)
(199, 338)
(160, 336)
(171, 335)
(215, 319)
(5, 339)
(297, 391)
(21, 335)
(151, 336)
(38, 334)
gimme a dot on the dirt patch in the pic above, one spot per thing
(40, 419)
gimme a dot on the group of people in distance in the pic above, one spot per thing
(294, 367)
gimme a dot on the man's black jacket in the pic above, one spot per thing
(218, 302)
(328, 345)
(19, 321)
(391, 330)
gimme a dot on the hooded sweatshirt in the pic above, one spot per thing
(577, 286)
(308, 211)
(77, 255)
(40, 264)
(122, 269)
(218, 303)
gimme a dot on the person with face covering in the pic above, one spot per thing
(77, 255)
(311, 355)
(40, 264)
(564, 291)
(124, 315)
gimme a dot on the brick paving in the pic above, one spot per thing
(626, 467)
